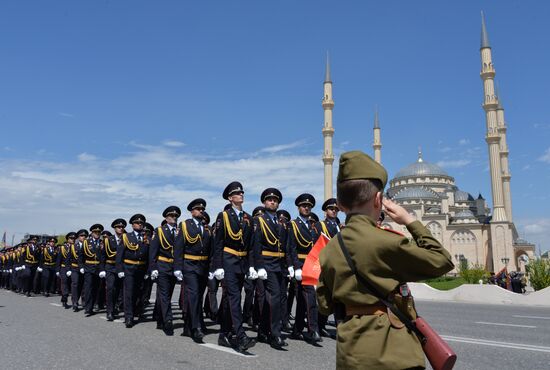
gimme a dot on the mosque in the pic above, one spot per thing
(465, 225)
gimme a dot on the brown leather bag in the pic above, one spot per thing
(438, 352)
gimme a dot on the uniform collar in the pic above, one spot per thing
(361, 217)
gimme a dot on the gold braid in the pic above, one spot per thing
(269, 236)
(108, 250)
(228, 231)
(130, 246)
(302, 242)
(188, 237)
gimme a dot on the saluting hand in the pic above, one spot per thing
(397, 213)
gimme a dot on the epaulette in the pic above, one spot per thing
(391, 231)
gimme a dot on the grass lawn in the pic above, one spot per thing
(445, 283)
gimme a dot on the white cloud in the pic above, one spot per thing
(173, 143)
(282, 147)
(546, 156)
(454, 163)
(48, 196)
(68, 115)
(464, 142)
(85, 157)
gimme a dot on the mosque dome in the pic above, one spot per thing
(462, 196)
(416, 192)
(465, 213)
(421, 169)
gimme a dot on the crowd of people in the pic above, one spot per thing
(259, 255)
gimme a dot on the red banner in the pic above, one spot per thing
(312, 269)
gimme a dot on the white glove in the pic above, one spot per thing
(262, 274)
(11, 271)
(102, 274)
(121, 275)
(219, 274)
(179, 275)
(252, 274)
(145, 277)
(82, 270)
(69, 273)
(23, 267)
(290, 272)
(57, 274)
(298, 275)
(210, 276)
(39, 269)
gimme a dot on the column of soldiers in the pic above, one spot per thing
(261, 255)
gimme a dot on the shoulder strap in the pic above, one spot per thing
(404, 319)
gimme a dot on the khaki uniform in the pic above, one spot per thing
(386, 259)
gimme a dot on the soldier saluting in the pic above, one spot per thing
(367, 337)
(232, 255)
(131, 262)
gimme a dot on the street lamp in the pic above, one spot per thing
(505, 260)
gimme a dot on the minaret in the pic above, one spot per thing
(490, 104)
(328, 131)
(506, 176)
(377, 144)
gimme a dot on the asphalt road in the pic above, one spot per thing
(37, 333)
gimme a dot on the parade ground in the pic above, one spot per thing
(37, 333)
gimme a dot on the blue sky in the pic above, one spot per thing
(109, 108)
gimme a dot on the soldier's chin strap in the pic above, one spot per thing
(405, 320)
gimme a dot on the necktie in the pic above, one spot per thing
(199, 226)
(275, 220)
(140, 239)
(241, 216)
(173, 231)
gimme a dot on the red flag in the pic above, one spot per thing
(312, 269)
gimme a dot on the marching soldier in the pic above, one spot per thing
(149, 231)
(270, 260)
(64, 259)
(113, 284)
(232, 255)
(163, 270)
(193, 249)
(287, 295)
(77, 272)
(211, 299)
(330, 226)
(302, 235)
(254, 293)
(131, 262)
(30, 264)
(89, 263)
(47, 265)
(367, 337)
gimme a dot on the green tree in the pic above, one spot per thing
(472, 274)
(539, 273)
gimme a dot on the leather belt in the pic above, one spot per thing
(134, 262)
(31, 262)
(366, 309)
(74, 264)
(165, 259)
(49, 263)
(91, 262)
(63, 265)
(302, 256)
(110, 262)
(195, 258)
(273, 254)
(235, 252)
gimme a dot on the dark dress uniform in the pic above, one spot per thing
(77, 279)
(64, 258)
(270, 254)
(48, 264)
(193, 249)
(113, 284)
(161, 259)
(31, 256)
(89, 261)
(301, 238)
(131, 257)
(233, 254)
